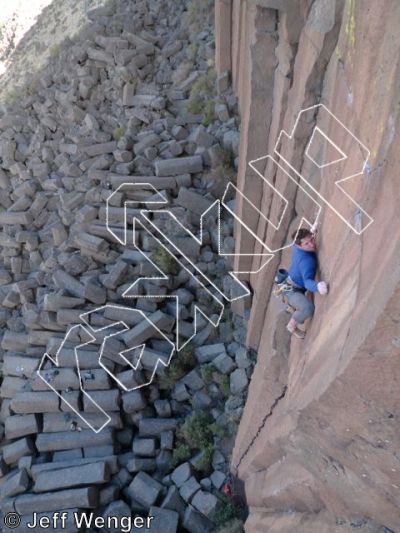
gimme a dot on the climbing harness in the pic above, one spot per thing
(283, 284)
(280, 289)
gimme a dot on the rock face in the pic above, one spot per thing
(124, 116)
(318, 433)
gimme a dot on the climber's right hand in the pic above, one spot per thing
(322, 288)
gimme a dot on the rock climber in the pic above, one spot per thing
(301, 279)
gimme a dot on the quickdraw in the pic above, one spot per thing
(282, 288)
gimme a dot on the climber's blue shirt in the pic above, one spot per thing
(303, 268)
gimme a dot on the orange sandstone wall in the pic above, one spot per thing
(318, 445)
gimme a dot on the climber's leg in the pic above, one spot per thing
(294, 330)
(304, 308)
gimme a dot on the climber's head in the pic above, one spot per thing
(304, 239)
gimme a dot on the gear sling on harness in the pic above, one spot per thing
(284, 284)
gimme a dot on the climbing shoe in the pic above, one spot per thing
(296, 332)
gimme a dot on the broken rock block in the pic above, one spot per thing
(20, 425)
(144, 330)
(16, 217)
(127, 94)
(15, 450)
(14, 483)
(141, 464)
(181, 474)
(194, 202)
(195, 522)
(152, 427)
(144, 489)
(60, 379)
(133, 401)
(223, 363)
(206, 503)
(35, 402)
(179, 165)
(101, 148)
(163, 520)
(174, 501)
(89, 243)
(107, 400)
(65, 281)
(14, 365)
(149, 100)
(206, 354)
(86, 498)
(189, 488)
(73, 439)
(238, 381)
(116, 275)
(93, 473)
(144, 447)
(36, 469)
(147, 141)
(116, 509)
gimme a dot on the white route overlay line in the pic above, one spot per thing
(161, 200)
(163, 276)
(84, 318)
(276, 191)
(217, 204)
(366, 155)
(197, 309)
(63, 398)
(344, 156)
(126, 328)
(135, 367)
(267, 255)
(193, 264)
